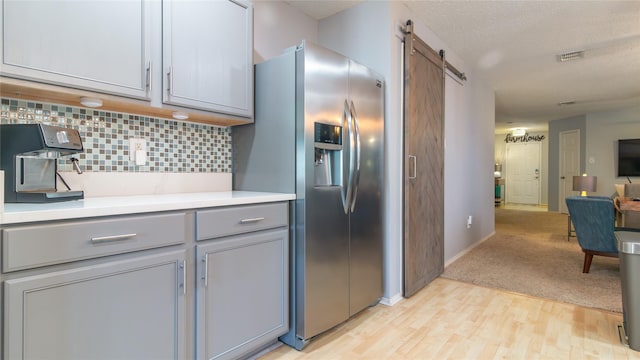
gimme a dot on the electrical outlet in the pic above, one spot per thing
(138, 146)
(469, 221)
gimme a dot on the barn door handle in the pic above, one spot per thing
(415, 164)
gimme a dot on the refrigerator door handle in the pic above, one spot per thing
(346, 167)
(356, 169)
(352, 159)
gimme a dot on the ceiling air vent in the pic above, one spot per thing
(572, 55)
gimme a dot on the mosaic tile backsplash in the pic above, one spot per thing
(172, 146)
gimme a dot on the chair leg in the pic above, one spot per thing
(588, 257)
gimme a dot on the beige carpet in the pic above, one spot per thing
(530, 254)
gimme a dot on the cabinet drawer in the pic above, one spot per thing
(235, 220)
(25, 247)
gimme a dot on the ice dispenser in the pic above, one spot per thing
(328, 146)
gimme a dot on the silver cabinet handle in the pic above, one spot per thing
(183, 268)
(170, 80)
(251, 220)
(415, 165)
(205, 260)
(102, 239)
(149, 78)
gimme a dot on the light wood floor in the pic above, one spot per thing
(455, 320)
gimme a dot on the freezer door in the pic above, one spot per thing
(323, 242)
(366, 94)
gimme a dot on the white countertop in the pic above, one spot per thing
(120, 205)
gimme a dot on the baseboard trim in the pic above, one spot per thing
(468, 249)
(391, 301)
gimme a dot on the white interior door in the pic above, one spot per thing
(523, 173)
(569, 165)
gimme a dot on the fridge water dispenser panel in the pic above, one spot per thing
(328, 136)
(328, 162)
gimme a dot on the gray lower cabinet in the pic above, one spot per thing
(98, 288)
(129, 309)
(242, 285)
(204, 284)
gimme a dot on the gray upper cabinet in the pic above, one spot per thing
(92, 45)
(208, 55)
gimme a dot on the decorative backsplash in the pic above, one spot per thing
(172, 146)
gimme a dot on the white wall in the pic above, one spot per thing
(469, 182)
(278, 26)
(356, 34)
(603, 131)
(369, 34)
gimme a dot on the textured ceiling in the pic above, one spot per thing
(514, 46)
(320, 9)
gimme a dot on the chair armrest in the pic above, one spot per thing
(616, 203)
(617, 213)
(626, 229)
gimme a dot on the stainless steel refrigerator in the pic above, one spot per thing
(319, 133)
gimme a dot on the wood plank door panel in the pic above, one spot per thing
(423, 165)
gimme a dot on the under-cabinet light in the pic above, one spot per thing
(90, 102)
(179, 115)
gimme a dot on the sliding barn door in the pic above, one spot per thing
(423, 165)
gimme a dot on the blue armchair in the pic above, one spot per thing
(593, 218)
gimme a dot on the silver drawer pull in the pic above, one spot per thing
(251, 220)
(101, 239)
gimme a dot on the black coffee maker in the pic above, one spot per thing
(28, 156)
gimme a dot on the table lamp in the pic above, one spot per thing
(584, 183)
(497, 170)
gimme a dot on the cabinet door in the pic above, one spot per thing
(95, 45)
(242, 293)
(208, 55)
(130, 309)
